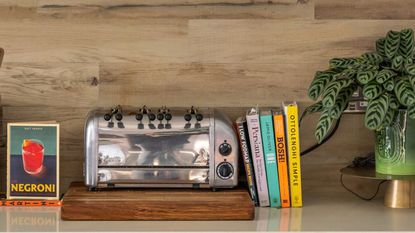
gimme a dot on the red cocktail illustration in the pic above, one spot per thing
(32, 153)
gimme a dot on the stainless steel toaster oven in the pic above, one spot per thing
(175, 147)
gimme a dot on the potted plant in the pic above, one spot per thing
(387, 79)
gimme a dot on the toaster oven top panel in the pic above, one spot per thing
(158, 148)
(129, 121)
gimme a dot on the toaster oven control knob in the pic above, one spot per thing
(225, 149)
(139, 117)
(187, 117)
(151, 116)
(107, 117)
(118, 116)
(199, 117)
(225, 170)
(160, 116)
(168, 116)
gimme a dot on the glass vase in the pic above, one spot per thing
(395, 147)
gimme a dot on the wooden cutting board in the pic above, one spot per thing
(156, 204)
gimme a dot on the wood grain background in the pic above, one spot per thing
(65, 57)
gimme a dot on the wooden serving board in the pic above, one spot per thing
(156, 204)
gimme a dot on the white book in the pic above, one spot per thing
(254, 130)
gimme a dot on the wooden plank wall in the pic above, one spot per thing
(65, 57)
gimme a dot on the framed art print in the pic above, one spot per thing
(33, 161)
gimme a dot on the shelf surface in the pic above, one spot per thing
(326, 209)
(370, 173)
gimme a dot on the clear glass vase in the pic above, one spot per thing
(395, 147)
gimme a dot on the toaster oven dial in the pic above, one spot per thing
(168, 116)
(187, 117)
(139, 117)
(199, 117)
(151, 116)
(107, 117)
(225, 170)
(160, 116)
(118, 116)
(225, 149)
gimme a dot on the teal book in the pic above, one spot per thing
(268, 142)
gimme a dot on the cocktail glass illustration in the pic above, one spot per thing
(33, 154)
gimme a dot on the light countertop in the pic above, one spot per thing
(331, 209)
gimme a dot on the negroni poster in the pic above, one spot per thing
(32, 161)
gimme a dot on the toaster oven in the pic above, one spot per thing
(175, 147)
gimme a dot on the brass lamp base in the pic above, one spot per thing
(400, 194)
(400, 190)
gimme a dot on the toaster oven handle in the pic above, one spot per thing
(91, 150)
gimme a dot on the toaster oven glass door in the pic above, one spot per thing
(159, 156)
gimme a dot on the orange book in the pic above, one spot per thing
(280, 144)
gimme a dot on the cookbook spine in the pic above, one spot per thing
(281, 149)
(293, 144)
(258, 158)
(242, 129)
(267, 131)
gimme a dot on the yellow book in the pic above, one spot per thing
(293, 146)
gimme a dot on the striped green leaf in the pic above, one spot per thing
(384, 75)
(347, 73)
(392, 44)
(389, 85)
(376, 111)
(410, 69)
(342, 101)
(366, 76)
(411, 112)
(393, 102)
(404, 92)
(411, 80)
(342, 63)
(324, 125)
(316, 107)
(389, 118)
(319, 83)
(380, 47)
(406, 46)
(333, 89)
(362, 66)
(372, 90)
(373, 58)
(397, 63)
(407, 62)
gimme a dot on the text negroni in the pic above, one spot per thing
(33, 188)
